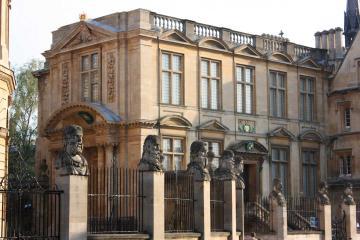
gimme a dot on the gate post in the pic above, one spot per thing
(349, 208)
(278, 211)
(324, 211)
(240, 210)
(73, 207)
(153, 188)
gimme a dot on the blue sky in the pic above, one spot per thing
(32, 21)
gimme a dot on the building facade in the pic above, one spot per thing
(7, 84)
(130, 74)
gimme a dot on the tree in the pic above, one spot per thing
(23, 117)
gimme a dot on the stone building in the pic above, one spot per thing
(130, 74)
(7, 84)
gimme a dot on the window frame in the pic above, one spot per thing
(286, 188)
(212, 140)
(244, 83)
(172, 72)
(317, 165)
(340, 158)
(172, 154)
(303, 116)
(277, 90)
(89, 71)
(209, 90)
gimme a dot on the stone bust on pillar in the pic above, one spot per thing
(198, 160)
(277, 194)
(71, 161)
(323, 198)
(348, 198)
(151, 157)
(226, 170)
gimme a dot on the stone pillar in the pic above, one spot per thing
(325, 220)
(230, 208)
(73, 205)
(240, 212)
(109, 155)
(189, 28)
(324, 40)
(339, 43)
(202, 208)
(278, 217)
(153, 206)
(317, 39)
(350, 219)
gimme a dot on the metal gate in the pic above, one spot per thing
(338, 225)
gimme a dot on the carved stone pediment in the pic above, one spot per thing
(247, 50)
(213, 43)
(213, 125)
(281, 57)
(248, 147)
(309, 63)
(175, 121)
(281, 132)
(175, 36)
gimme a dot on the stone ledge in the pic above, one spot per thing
(184, 235)
(136, 236)
(304, 232)
(220, 234)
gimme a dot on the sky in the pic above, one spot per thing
(32, 21)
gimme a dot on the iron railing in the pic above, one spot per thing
(29, 214)
(217, 205)
(179, 202)
(357, 214)
(257, 215)
(302, 213)
(115, 200)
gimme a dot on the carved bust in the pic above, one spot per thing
(277, 194)
(151, 157)
(239, 169)
(71, 161)
(348, 198)
(226, 170)
(323, 198)
(198, 160)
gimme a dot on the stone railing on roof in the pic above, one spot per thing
(203, 30)
(168, 23)
(242, 38)
(302, 51)
(274, 43)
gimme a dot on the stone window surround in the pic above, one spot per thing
(277, 90)
(288, 162)
(342, 106)
(208, 77)
(340, 156)
(253, 103)
(182, 78)
(214, 140)
(172, 153)
(314, 116)
(316, 152)
(90, 53)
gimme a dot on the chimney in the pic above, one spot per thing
(317, 39)
(324, 40)
(331, 43)
(339, 43)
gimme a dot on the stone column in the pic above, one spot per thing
(325, 221)
(230, 208)
(73, 205)
(240, 211)
(350, 218)
(278, 211)
(153, 185)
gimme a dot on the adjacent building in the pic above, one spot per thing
(129, 74)
(7, 85)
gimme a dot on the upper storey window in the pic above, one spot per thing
(277, 94)
(307, 96)
(172, 75)
(210, 82)
(90, 78)
(245, 89)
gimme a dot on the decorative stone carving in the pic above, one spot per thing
(65, 83)
(277, 194)
(197, 165)
(71, 161)
(110, 67)
(348, 198)
(323, 198)
(226, 170)
(246, 126)
(151, 157)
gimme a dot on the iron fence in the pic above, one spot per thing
(179, 202)
(257, 215)
(358, 215)
(217, 205)
(303, 213)
(115, 200)
(29, 214)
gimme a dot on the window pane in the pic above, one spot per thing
(305, 179)
(204, 93)
(176, 88)
(85, 63)
(273, 110)
(214, 94)
(310, 108)
(204, 68)
(302, 106)
(310, 85)
(167, 163)
(95, 92)
(177, 146)
(275, 154)
(302, 85)
(281, 104)
(239, 76)
(214, 69)
(166, 145)
(94, 76)
(248, 75)
(178, 162)
(165, 87)
(216, 148)
(239, 96)
(94, 61)
(248, 99)
(166, 61)
(281, 79)
(176, 63)
(273, 79)
(85, 86)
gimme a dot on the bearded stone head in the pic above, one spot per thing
(198, 152)
(73, 136)
(278, 187)
(227, 160)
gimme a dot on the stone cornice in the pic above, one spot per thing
(344, 91)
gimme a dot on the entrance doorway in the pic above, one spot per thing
(251, 178)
